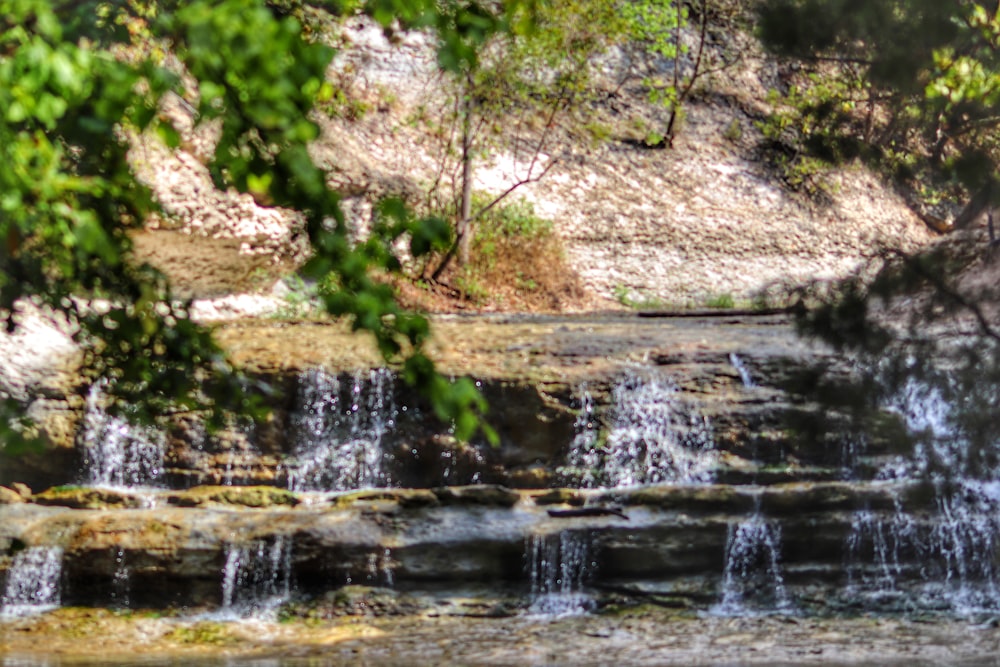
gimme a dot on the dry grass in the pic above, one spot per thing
(517, 264)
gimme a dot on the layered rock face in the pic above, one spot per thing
(558, 388)
(717, 463)
(664, 542)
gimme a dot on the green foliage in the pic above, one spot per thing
(816, 124)
(300, 300)
(733, 131)
(516, 219)
(202, 633)
(597, 131)
(75, 86)
(638, 301)
(554, 60)
(724, 300)
(907, 86)
(527, 80)
(655, 23)
(503, 229)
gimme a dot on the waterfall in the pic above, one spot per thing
(121, 581)
(944, 560)
(968, 537)
(339, 429)
(380, 569)
(875, 551)
(585, 455)
(654, 437)
(943, 555)
(256, 576)
(32, 582)
(745, 377)
(558, 566)
(117, 453)
(752, 579)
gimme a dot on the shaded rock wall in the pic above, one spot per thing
(793, 423)
(664, 541)
(773, 419)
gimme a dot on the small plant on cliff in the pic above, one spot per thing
(724, 300)
(658, 27)
(516, 260)
(636, 299)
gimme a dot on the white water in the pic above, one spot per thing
(654, 437)
(121, 581)
(947, 558)
(32, 582)
(585, 456)
(558, 567)
(380, 569)
(752, 579)
(339, 429)
(875, 553)
(117, 453)
(745, 377)
(256, 577)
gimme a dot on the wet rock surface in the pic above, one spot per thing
(654, 476)
(646, 635)
(664, 541)
(535, 371)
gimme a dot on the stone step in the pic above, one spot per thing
(671, 539)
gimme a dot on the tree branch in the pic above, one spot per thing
(939, 284)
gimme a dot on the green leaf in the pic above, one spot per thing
(168, 134)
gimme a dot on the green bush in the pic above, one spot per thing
(721, 301)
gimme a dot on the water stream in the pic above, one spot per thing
(933, 549)
(117, 453)
(256, 577)
(338, 431)
(745, 376)
(942, 556)
(380, 569)
(33, 582)
(752, 580)
(654, 436)
(558, 567)
(121, 581)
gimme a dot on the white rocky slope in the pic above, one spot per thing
(680, 225)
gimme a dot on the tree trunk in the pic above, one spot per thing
(463, 228)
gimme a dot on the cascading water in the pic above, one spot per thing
(745, 377)
(585, 454)
(943, 555)
(339, 431)
(558, 566)
(121, 581)
(654, 437)
(256, 577)
(32, 582)
(752, 579)
(117, 453)
(380, 569)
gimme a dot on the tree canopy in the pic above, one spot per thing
(912, 86)
(79, 80)
(910, 83)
